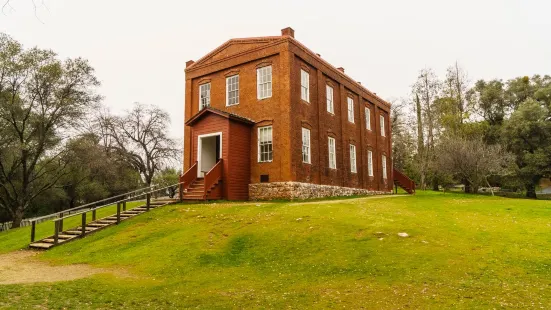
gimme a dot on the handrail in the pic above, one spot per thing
(404, 180)
(116, 202)
(212, 177)
(188, 178)
(88, 204)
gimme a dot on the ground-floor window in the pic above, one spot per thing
(332, 153)
(265, 149)
(353, 158)
(306, 145)
(369, 163)
(384, 167)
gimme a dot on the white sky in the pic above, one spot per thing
(139, 48)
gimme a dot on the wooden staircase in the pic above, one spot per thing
(80, 231)
(195, 191)
(404, 182)
(209, 187)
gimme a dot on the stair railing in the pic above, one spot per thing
(212, 177)
(83, 210)
(404, 180)
(187, 179)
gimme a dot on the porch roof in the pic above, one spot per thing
(225, 114)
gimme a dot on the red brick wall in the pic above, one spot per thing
(287, 114)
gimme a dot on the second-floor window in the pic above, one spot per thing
(264, 82)
(204, 96)
(265, 149)
(367, 118)
(304, 85)
(232, 90)
(332, 153)
(350, 109)
(382, 120)
(306, 146)
(384, 167)
(353, 158)
(370, 163)
(329, 95)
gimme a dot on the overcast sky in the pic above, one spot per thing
(139, 48)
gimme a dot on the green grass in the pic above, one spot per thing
(16, 239)
(464, 251)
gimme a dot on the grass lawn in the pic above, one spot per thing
(463, 251)
(16, 239)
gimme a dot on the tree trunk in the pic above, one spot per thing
(17, 218)
(531, 191)
(420, 139)
(467, 185)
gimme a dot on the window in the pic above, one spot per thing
(329, 95)
(204, 96)
(382, 120)
(232, 90)
(384, 167)
(265, 150)
(304, 86)
(370, 163)
(306, 145)
(367, 118)
(264, 82)
(353, 158)
(350, 110)
(332, 154)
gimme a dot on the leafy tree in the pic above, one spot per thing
(41, 97)
(168, 177)
(528, 135)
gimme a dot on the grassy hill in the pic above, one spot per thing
(462, 252)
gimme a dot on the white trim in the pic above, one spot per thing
(200, 145)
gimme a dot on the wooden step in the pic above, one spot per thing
(73, 232)
(65, 236)
(41, 245)
(86, 228)
(106, 222)
(97, 225)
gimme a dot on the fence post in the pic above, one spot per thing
(94, 215)
(148, 200)
(124, 205)
(118, 213)
(83, 232)
(61, 222)
(33, 231)
(181, 191)
(56, 232)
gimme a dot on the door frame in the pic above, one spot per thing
(200, 145)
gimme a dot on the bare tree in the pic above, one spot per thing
(141, 138)
(473, 160)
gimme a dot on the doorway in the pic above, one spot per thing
(208, 152)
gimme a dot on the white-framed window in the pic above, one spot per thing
(204, 96)
(332, 153)
(384, 167)
(382, 120)
(353, 158)
(304, 85)
(264, 82)
(370, 163)
(265, 149)
(329, 95)
(306, 146)
(232, 90)
(368, 118)
(350, 109)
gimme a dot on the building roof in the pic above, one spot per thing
(291, 39)
(225, 114)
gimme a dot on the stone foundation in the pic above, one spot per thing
(298, 190)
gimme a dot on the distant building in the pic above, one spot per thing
(286, 124)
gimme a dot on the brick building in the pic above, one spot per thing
(285, 124)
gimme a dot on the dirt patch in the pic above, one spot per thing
(24, 267)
